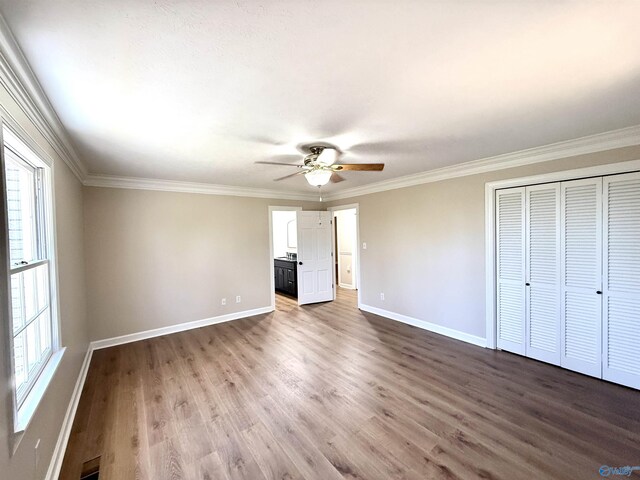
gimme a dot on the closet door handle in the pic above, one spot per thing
(599, 292)
(527, 284)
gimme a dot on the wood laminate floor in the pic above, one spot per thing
(328, 392)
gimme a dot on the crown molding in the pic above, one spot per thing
(21, 83)
(594, 143)
(136, 183)
(601, 142)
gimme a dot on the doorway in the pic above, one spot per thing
(283, 250)
(346, 246)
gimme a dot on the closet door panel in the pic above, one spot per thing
(543, 272)
(621, 289)
(511, 269)
(581, 276)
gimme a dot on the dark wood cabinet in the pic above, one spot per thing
(285, 273)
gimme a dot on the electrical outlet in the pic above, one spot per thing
(364, 245)
(223, 302)
(238, 299)
(381, 296)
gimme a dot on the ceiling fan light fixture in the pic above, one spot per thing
(319, 177)
(328, 156)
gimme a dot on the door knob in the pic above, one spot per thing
(299, 263)
(527, 284)
(599, 292)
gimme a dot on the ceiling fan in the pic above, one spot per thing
(319, 167)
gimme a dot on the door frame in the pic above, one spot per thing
(354, 258)
(275, 208)
(356, 250)
(490, 224)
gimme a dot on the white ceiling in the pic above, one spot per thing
(200, 90)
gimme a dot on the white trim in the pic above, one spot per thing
(180, 327)
(593, 143)
(65, 431)
(136, 183)
(353, 254)
(25, 413)
(490, 265)
(334, 253)
(490, 211)
(357, 252)
(273, 208)
(432, 327)
(21, 146)
(21, 83)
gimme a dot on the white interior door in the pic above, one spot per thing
(543, 272)
(511, 269)
(315, 262)
(581, 265)
(621, 285)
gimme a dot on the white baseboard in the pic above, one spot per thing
(63, 437)
(180, 327)
(432, 327)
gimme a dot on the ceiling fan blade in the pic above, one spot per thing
(336, 178)
(278, 163)
(371, 167)
(289, 176)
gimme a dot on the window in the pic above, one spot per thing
(29, 235)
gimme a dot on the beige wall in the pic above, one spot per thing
(47, 421)
(156, 259)
(135, 260)
(425, 244)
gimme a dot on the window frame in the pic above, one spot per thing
(41, 228)
(26, 150)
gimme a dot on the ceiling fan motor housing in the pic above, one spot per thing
(313, 156)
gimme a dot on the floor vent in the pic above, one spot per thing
(91, 469)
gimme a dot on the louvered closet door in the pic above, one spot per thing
(510, 266)
(543, 273)
(621, 330)
(581, 276)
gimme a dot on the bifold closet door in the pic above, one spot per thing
(542, 322)
(621, 289)
(581, 276)
(510, 301)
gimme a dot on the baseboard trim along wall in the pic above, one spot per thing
(180, 327)
(432, 327)
(65, 431)
(55, 465)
